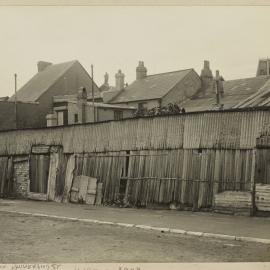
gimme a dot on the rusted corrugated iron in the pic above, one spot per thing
(213, 130)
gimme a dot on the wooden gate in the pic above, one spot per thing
(6, 177)
(39, 171)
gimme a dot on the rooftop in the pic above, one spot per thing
(235, 92)
(43, 80)
(151, 87)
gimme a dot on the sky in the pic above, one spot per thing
(114, 37)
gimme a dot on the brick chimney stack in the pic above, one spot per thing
(206, 76)
(106, 79)
(41, 65)
(119, 80)
(263, 67)
(141, 71)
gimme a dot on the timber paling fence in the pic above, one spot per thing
(185, 159)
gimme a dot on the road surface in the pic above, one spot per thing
(28, 239)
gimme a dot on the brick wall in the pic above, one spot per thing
(21, 176)
(27, 115)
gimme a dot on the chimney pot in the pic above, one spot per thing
(206, 77)
(141, 71)
(119, 80)
(41, 65)
(106, 79)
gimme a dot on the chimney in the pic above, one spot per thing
(119, 80)
(218, 86)
(81, 104)
(206, 76)
(106, 79)
(263, 67)
(141, 71)
(41, 65)
(105, 86)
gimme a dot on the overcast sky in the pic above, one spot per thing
(112, 38)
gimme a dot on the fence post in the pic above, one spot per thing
(253, 183)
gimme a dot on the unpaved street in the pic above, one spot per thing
(39, 239)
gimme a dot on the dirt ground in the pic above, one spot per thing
(26, 239)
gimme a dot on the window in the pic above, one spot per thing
(118, 115)
(62, 118)
(76, 119)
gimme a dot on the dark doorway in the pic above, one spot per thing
(39, 172)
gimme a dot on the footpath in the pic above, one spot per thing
(201, 224)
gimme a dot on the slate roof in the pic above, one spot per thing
(235, 92)
(258, 99)
(152, 87)
(42, 81)
(110, 94)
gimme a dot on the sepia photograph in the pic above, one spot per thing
(134, 134)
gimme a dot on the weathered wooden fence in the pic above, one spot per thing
(6, 177)
(188, 177)
(184, 159)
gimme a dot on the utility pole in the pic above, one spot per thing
(93, 96)
(15, 99)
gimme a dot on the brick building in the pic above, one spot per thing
(239, 93)
(149, 91)
(55, 79)
(25, 115)
(75, 109)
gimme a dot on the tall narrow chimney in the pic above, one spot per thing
(263, 67)
(141, 71)
(106, 79)
(119, 80)
(41, 65)
(206, 76)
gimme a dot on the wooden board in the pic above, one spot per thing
(262, 197)
(91, 191)
(233, 202)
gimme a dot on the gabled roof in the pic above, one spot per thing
(260, 98)
(151, 87)
(110, 94)
(235, 92)
(43, 80)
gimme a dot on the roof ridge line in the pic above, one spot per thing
(168, 72)
(247, 78)
(178, 82)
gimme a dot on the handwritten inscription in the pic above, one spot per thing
(129, 268)
(53, 266)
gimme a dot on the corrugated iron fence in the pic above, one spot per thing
(212, 130)
(183, 159)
